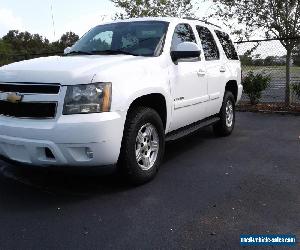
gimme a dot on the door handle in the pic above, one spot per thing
(222, 69)
(201, 73)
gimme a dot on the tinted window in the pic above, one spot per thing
(102, 41)
(211, 51)
(227, 45)
(183, 33)
(144, 38)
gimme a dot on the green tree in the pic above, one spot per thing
(270, 61)
(254, 85)
(277, 18)
(296, 56)
(23, 45)
(17, 46)
(296, 89)
(5, 48)
(26, 43)
(154, 8)
(246, 60)
(5, 51)
(67, 40)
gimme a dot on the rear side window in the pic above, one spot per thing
(227, 45)
(210, 48)
(183, 33)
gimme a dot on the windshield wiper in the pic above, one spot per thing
(78, 52)
(112, 52)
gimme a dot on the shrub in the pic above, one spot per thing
(254, 84)
(296, 89)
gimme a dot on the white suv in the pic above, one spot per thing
(118, 94)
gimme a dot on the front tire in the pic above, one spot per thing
(227, 116)
(143, 145)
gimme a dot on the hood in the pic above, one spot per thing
(66, 70)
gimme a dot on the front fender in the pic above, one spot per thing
(149, 91)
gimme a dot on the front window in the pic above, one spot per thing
(183, 33)
(141, 38)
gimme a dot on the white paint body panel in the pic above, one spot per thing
(192, 90)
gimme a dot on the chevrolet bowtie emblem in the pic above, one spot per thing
(14, 98)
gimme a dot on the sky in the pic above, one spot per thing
(79, 16)
(69, 15)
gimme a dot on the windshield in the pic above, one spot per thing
(143, 38)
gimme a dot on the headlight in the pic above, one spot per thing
(90, 98)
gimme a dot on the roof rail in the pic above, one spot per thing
(203, 21)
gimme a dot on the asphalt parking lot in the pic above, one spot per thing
(209, 191)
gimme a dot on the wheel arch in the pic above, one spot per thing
(156, 101)
(232, 86)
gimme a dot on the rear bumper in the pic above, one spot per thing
(240, 92)
(76, 140)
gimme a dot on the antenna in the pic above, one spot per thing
(53, 23)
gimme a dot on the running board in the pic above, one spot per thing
(174, 135)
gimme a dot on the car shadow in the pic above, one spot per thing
(78, 183)
(184, 144)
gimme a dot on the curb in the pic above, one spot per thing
(271, 112)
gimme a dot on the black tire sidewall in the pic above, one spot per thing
(136, 120)
(221, 128)
(228, 97)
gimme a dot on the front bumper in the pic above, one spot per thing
(67, 141)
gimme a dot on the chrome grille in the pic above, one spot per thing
(33, 88)
(38, 100)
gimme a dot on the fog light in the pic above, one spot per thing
(89, 153)
(49, 153)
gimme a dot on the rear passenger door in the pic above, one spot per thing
(215, 70)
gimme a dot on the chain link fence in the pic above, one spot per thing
(268, 57)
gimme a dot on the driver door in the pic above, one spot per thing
(189, 89)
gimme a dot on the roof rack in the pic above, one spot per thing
(203, 21)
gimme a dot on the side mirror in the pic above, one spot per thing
(67, 50)
(185, 50)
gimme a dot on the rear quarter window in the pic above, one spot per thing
(227, 45)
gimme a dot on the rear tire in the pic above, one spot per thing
(227, 116)
(143, 145)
